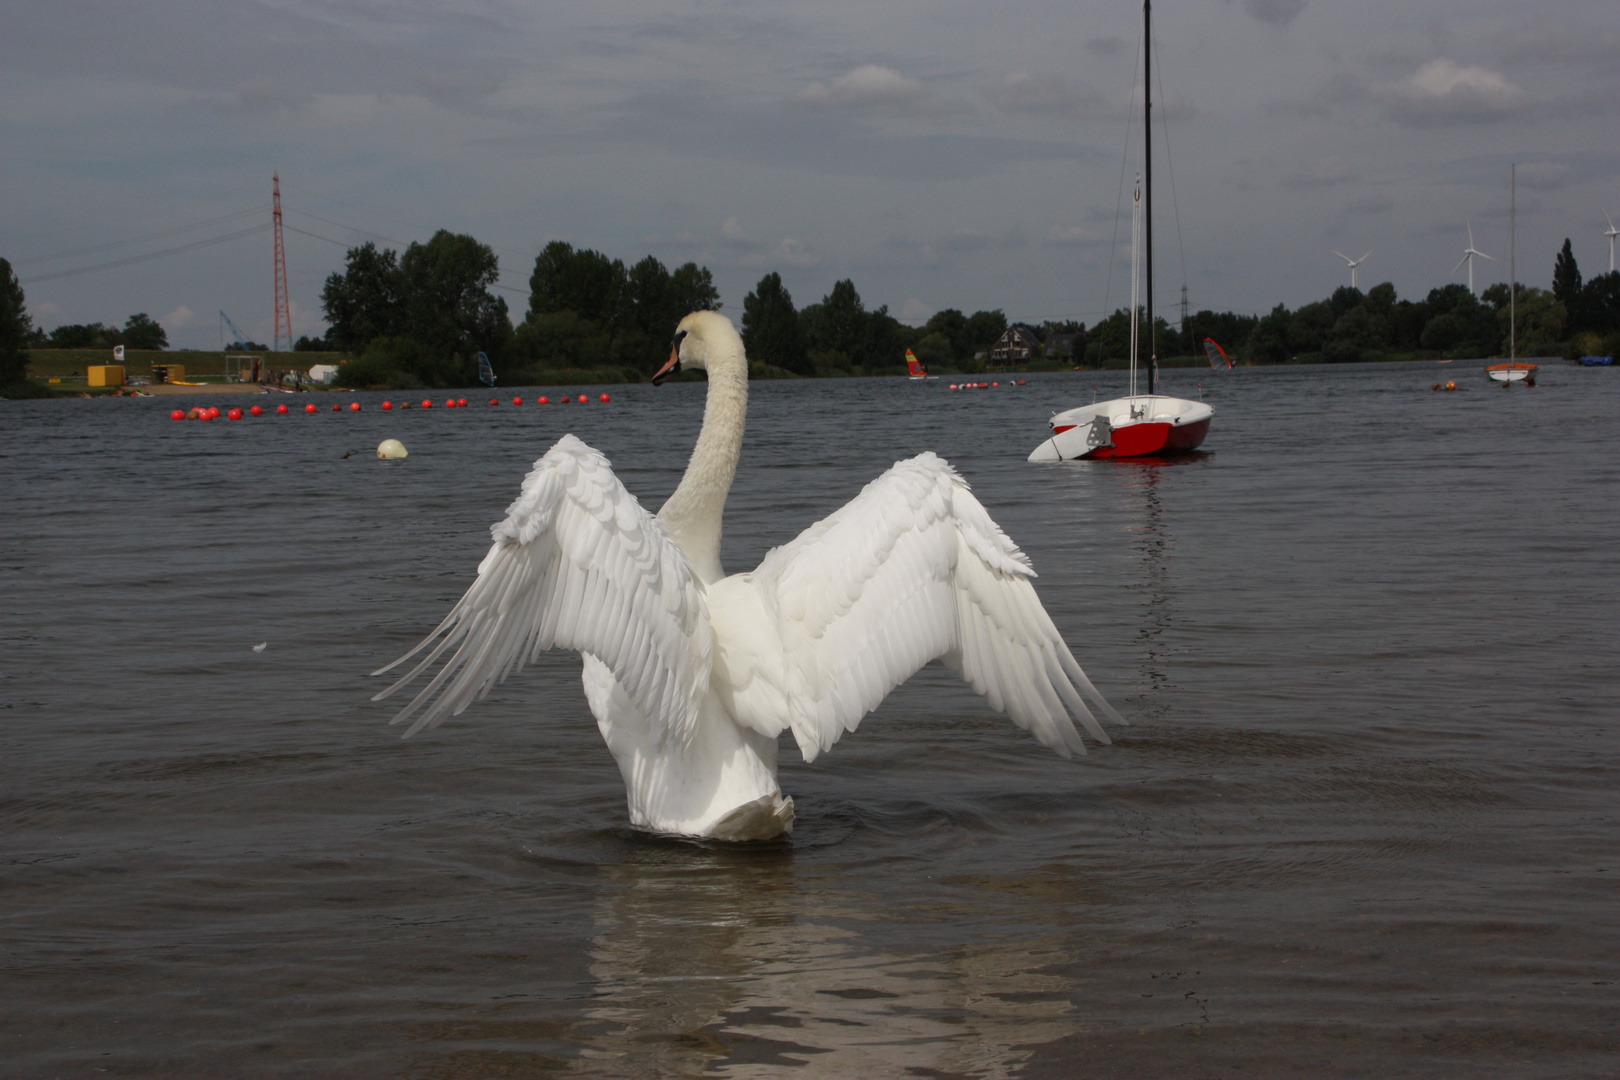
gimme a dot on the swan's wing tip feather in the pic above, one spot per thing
(563, 572)
(910, 570)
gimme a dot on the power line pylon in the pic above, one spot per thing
(283, 314)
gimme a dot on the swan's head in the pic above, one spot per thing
(702, 339)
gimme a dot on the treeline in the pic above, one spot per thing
(140, 331)
(1573, 318)
(421, 317)
(838, 336)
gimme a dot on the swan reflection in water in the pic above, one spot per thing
(718, 962)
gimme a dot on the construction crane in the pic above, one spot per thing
(241, 341)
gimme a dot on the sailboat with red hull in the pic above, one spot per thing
(1138, 425)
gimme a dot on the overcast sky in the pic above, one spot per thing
(941, 154)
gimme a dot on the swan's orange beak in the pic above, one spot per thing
(673, 365)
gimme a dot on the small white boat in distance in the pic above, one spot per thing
(1518, 371)
(1139, 426)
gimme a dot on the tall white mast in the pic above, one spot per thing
(1136, 278)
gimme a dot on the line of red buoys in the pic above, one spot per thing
(204, 412)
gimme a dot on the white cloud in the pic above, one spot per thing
(180, 316)
(1444, 92)
(869, 84)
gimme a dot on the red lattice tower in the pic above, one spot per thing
(283, 313)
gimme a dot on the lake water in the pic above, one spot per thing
(1364, 822)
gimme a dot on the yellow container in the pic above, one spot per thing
(105, 374)
(168, 373)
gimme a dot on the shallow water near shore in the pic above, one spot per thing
(1363, 823)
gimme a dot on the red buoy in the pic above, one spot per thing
(213, 411)
(461, 403)
(606, 398)
(583, 399)
(517, 401)
(354, 406)
(494, 401)
(450, 403)
(256, 411)
(426, 404)
(282, 409)
(235, 414)
(542, 400)
(337, 408)
(387, 405)
(310, 407)
(180, 414)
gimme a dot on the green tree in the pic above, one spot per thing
(1597, 309)
(692, 289)
(16, 328)
(952, 326)
(561, 339)
(143, 332)
(585, 282)
(1566, 276)
(934, 348)
(84, 336)
(1459, 324)
(838, 323)
(1308, 329)
(1268, 341)
(1111, 338)
(1540, 318)
(363, 302)
(770, 327)
(446, 305)
(983, 328)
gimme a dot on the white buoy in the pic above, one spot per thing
(392, 448)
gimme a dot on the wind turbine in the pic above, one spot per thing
(1611, 234)
(1468, 256)
(1353, 263)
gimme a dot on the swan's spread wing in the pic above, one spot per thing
(910, 570)
(577, 564)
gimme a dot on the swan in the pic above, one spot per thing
(692, 674)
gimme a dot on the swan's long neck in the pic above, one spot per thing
(692, 514)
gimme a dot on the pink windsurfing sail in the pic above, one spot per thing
(1217, 355)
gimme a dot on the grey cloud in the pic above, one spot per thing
(1072, 236)
(1325, 173)
(1104, 46)
(1546, 175)
(259, 96)
(1377, 203)
(1023, 92)
(1274, 12)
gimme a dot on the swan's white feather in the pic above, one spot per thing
(576, 564)
(911, 570)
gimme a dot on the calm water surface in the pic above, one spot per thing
(1364, 822)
